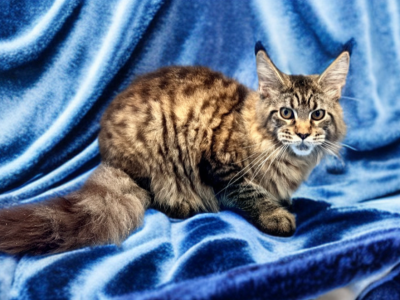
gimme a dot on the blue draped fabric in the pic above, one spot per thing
(63, 61)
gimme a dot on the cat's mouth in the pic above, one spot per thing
(302, 149)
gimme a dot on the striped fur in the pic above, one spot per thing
(186, 140)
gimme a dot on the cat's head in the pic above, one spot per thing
(302, 111)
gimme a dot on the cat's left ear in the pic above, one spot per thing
(333, 79)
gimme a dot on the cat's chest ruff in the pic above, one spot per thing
(280, 177)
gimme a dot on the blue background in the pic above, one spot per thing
(62, 62)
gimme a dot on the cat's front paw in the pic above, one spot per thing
(279, 223)
(182, 210)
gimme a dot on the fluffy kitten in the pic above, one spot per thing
(186, 140)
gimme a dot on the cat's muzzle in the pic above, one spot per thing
(302, 149)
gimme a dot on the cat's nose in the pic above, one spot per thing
(303, 136)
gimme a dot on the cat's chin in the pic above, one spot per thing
(302, 150)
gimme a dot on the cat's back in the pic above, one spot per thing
(180, 93)
(178, 85)
(181, 84)
(173, 107)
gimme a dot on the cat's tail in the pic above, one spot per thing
(105, 210)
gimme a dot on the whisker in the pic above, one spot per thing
(255, 161)
(329, 150)
(331, 145)
(283, 151)
(253, 145)
(247, 169)
(262, 164)
(263, 154)
(283, 147)
(348, 146)
(333, 149)
(338, 157)
(248, 157)
(342, 144)
(352, 98)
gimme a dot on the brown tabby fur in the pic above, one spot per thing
(186, 140)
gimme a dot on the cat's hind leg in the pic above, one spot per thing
(179, 197)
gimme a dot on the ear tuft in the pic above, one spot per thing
(259, 47)
(270, 79)
(349, 46)
(333, 79)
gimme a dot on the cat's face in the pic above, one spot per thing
(302, 112)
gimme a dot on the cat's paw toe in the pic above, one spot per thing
(181, 211)
(279, 223)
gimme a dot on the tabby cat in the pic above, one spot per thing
(185, 140)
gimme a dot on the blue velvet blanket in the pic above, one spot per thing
(63, 61)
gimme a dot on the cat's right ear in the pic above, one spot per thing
(270, 79)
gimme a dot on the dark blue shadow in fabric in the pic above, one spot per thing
(387, 287)
(142, 273)
(40, 285)
(213, 257)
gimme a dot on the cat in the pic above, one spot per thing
(185, 140)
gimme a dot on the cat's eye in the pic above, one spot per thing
(318, 115)
(286, 113)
